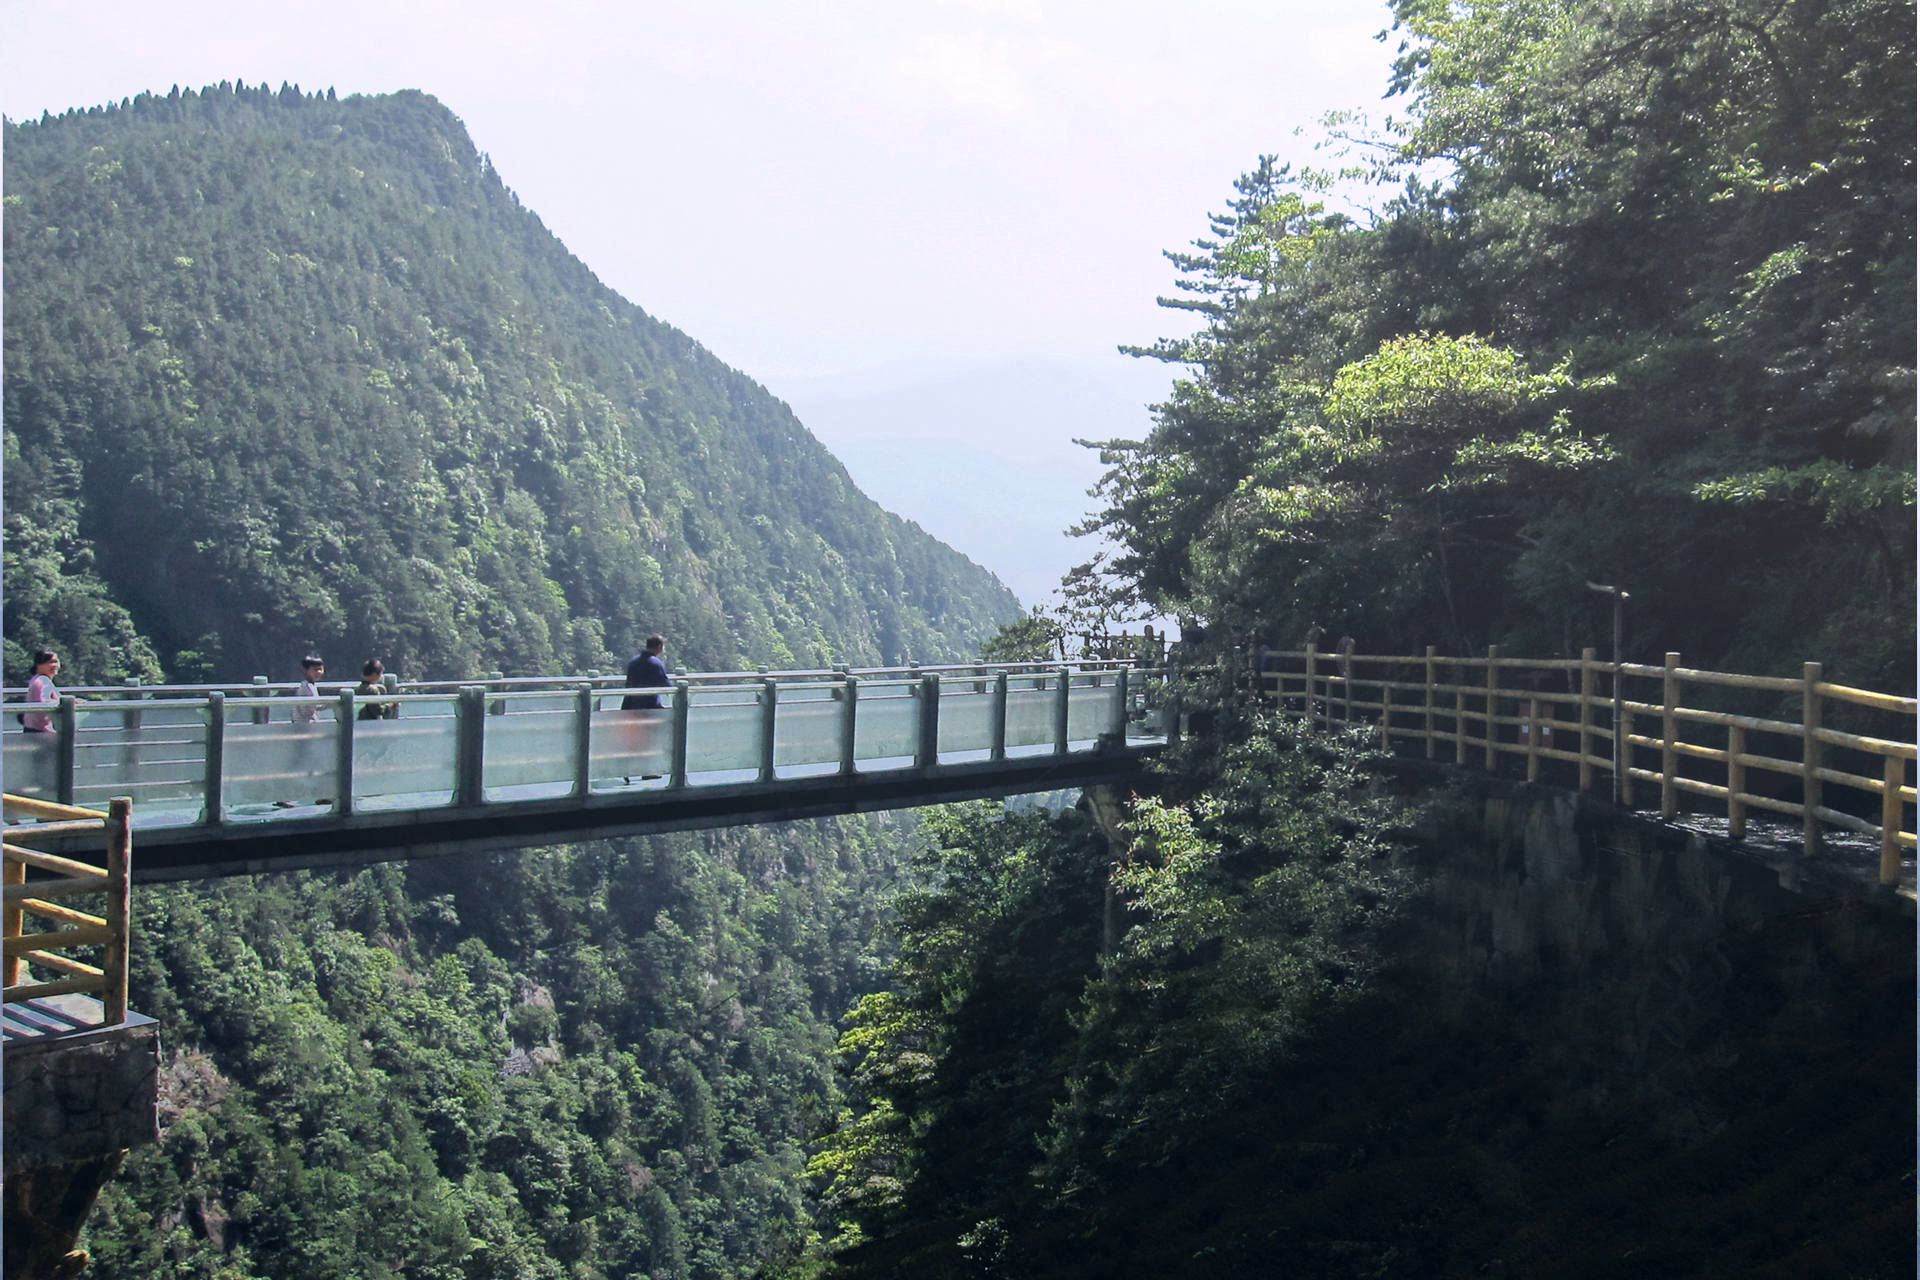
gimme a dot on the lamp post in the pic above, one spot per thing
(1619, 739)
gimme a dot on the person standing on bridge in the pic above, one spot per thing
(647, 670)
(372, 686)
(312, 667)
(46, 665)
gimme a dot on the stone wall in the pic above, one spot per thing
(73, 1105)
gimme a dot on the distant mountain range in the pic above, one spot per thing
(289, 372)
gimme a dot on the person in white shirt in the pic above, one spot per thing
(312, 667)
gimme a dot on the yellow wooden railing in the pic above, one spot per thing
(47, 949)
(1494, 706)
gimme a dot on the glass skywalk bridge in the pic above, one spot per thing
(235, 779)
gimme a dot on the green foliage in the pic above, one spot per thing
(1022, 1069)
(286, 373)
(1636, 307)
(597, 1062)
(1034, 638)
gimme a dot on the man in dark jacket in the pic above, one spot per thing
(646, 671)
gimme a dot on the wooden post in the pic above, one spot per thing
(927, 754)
(1586, 719)
(119, 910)
(682, 716)
(1669, 734)
(997, 749)
(1386, 716)
(11, 919)
(1623, 752)
(1533, 739)
(1306, 700)
(343, 756)
(769, 704)
(1736, 782)
(1432, 745)
(1811, 791)
(1346, 688)
(1060, 714)
(1493, 707)
(1460, 714)
(213, 782)
(583, 741)
(1893, 777)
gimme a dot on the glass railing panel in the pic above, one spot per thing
(409, 762)
(966, 719)
(32, 763)
(1030, 716)
(1090, 709)
(888, 726)
(632, 744)
(528, 745)
(807, 727)
(268, 764)
(159, 758)
(723, 734)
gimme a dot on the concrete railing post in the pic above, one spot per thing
(66, 718)
(260, 713)
(343, 755)
(769, 710)
(213, 782)
(997, 745)
(849, 725)
(927, 753)
(682, 718)
(1060, 706)
(470, 746)
(583, 742)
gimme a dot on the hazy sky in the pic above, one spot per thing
(888, 213)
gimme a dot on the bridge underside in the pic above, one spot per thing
(253, 848)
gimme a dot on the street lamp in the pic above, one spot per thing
(1619, 739)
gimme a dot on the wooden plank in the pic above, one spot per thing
(1778, 684)
(1787, 807)
(39, 990)
(1868, 698)
(1700, 788)
(50, 861)
(1772, 764)
(1879, 746)
(65, 915)
(48, 809)
(75, 887)
(1833, 817)
(55, 829)
(66, 964)
(27, 943)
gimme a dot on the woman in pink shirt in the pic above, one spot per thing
(46, 665)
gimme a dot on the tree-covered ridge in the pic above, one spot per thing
(284, 371)
(602, 1062)
(1653, 326)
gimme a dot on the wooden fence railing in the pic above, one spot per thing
(1609, 721)
(48, 949)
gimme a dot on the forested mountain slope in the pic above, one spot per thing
(1633, 303)
(284, 371)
